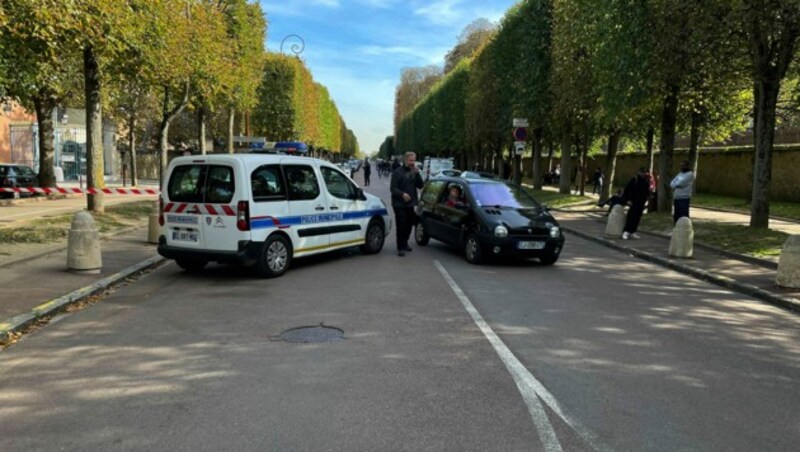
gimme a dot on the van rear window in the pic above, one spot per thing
(186, 183)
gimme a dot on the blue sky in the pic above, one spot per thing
(358, 48)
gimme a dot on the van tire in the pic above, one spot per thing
(275, 257)
(192, 265)
(376, 237)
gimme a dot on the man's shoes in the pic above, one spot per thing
(401, 253)
(625, 236)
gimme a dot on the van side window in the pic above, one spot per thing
(220, 185)
(186, 183)
(301, 182)
(338, 185)
(267, 183)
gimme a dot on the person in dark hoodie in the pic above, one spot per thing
(636, 194)
(406, 180)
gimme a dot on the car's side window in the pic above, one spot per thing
(186, 183)
(337, 183)
(220, 185)
(301, 182)
(432, 191)
(267, 184)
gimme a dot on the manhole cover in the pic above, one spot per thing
(312, 334)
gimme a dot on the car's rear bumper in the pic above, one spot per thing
(247, 254)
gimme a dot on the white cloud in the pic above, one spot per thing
(441, 12)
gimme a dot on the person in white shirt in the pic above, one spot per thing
(682, 187)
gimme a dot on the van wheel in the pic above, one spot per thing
(376, 236)
(420, 236)
(192, 265)
(472, 249)
(275, 257)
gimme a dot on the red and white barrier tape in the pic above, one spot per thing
(79, 191)
(199, 209)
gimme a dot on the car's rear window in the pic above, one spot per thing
(188, 184)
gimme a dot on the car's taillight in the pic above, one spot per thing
(160, 211)
(243, 216)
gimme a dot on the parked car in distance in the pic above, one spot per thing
(477, 175)
(17, 176)
(485, 217)
(447, 173)
(433, 165)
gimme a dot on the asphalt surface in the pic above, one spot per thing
(615, 354)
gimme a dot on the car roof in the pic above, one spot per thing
(470, 181)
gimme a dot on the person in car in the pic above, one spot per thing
(455, 199)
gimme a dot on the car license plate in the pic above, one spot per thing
(526, 245)
(184, 236)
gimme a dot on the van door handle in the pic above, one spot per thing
(319, 208)
(334, 208)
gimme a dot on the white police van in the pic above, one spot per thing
(263, 210)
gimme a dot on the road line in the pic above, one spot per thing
(527, 384)
(518, 372)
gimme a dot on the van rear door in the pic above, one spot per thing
(220, 232)
(184, 198)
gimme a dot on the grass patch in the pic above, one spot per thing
(735, 238)
(54, 229)
(789, 210)
(555, 199)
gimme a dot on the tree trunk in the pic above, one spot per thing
(201, 130)
(650, 135)
(44, 106)
(768, 91)
(132, 147)
(669, 117)
(566, 164)
(550, 149)
(94, 130)
(231, 122)
(536, 168)
(163, 130)
(694, 142)
(610, 165)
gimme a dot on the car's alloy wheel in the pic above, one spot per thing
(472, 249)
(375, 238)
(420, 236)
(275, 257)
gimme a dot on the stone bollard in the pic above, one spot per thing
(616, 221)
(153, 228)
(681, 244)
(789, 263)
(83, 248)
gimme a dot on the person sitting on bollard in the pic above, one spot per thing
(613, 201)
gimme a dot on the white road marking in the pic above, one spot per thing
(531, 389)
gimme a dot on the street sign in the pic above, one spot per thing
(519, 147)
(520, 134)
(520, 122)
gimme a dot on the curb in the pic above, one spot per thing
(790, 304)
(20, 322)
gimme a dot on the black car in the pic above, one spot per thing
(16, 176)
(486, 217)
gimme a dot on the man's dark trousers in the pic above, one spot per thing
(404, 216)
(681, 209)
(634, 217)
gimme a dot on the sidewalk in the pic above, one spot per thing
(744, 274)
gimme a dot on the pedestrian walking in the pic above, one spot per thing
(682, 186)
(597, 181)
(636, 194)
(367, 171)
(396, 164)
(405, 182)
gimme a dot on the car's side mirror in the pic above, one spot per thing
(545, 208)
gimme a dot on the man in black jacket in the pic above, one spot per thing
(636, 193)
(406, 180)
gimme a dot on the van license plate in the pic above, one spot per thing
(530, 245)
(183, 236)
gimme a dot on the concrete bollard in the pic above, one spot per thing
(153, 228)
(789, 263)
(616, 221)
(83, 247)
(681, 244)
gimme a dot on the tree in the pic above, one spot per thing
(474, 36)
(414, 85)
(771, 30)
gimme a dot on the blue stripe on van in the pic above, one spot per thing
(274, 222)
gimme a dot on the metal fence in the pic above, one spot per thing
(69, 142)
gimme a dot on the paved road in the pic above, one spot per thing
(603, 352)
